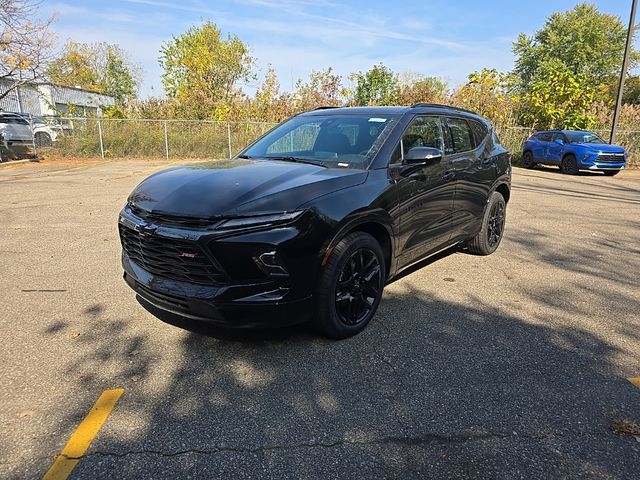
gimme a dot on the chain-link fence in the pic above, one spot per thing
(176, 139)
(143, 138)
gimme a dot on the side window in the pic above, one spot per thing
(479, 132)
(544, 137)
(461, 135)
(422, 132)
(556, 136)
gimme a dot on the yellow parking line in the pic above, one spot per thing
(79, 442)
(635, 381)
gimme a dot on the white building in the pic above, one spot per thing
(48, 99)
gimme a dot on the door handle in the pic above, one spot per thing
(448, 175)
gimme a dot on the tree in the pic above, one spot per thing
(558, 98)
(323, 89)
(488, 93)
(202, 69)
(25, 45)
(588, 43)
(269, 103)
(414, 88)
(377, 86)
(103, 67)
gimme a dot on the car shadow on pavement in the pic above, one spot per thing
(430, 387)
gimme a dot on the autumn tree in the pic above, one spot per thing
(487, 93)
(25, 44)
(270, 104)
(202, 69)
(103, 67)
(323, 89)
(414, 88)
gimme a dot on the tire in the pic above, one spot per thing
(527, 160)
(346, 300)
(611, 173)
(490, 235)
(569, 165)
(42, 139)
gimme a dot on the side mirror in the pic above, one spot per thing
(559, 141)
(422, 155)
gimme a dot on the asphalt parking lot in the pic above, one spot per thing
(509, 366)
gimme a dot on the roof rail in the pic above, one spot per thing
(325, 107)
(438, 105)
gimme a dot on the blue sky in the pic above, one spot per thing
(443, 38)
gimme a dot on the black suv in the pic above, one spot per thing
(311, 220)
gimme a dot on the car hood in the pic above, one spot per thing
(239, 187)
(602, 147)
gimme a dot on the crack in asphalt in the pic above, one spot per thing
(397, 440)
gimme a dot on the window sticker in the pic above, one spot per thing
(378, 120)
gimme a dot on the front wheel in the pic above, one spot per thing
(350, 286)
(490, 235)
(569, 165)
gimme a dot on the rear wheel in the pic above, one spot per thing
(569, 165)
(350, 286)
(490, 235)
(527, 160)
(611, 173)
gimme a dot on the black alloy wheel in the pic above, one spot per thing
(350, 286)
(490, 235)
(358, 286)
(527, 160)
(495, 226)
(569, 165)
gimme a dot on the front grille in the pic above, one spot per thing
(611, 158)
(172, 220)
(170, 258)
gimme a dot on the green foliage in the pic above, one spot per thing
(631, 92)
(587, 42)
(202, 69)
(558, 98)
(103, 67)
(377, 86)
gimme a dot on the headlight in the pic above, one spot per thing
(259, 220)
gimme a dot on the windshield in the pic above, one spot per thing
(338, 141)
(583, 137)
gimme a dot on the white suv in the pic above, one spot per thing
(44, 132)
(15, 130)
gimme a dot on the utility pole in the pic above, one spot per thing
(623, 73)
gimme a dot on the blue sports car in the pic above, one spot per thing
(572, 151)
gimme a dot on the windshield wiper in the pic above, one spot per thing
(245, 157)
(298, 160)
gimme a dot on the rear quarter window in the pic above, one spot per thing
(479, 131)
(461, 135)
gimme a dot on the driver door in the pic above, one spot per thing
(425, 193)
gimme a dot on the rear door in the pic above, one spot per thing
(540, 145)
(556, 150)
(425, 193)
(475, 172)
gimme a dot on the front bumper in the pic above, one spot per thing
(239, 297)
